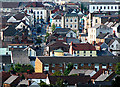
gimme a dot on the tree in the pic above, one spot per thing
(47, 34)
(67, 70)
(21, 68)
(117, 69)
(43, 84)
(59, 83)
(22, 77)
(53, 27)
(57, 73)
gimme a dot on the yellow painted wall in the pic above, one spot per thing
(87, 53)
(94, 53)
(58, 54)
(38, 66)
(81, 53)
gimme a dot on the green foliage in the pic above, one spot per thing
(73, 75)
(47, 34)
(22, 77)
(53, 27)
(19, 68)
(59, 83)
(117, 71)
(57, 73)
(67, 71)
(43, 84)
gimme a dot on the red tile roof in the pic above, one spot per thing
(84, 47)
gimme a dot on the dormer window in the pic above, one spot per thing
(71, 34)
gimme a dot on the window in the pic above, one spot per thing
(96, 21)
(75, 26)
(75, 20)
(59, 20)
(56, 25)
(71, 20)
(59, 25)
(60, 70)
(119, 7)
(60, 38)
(71, 34)
(115, 7)
(76, 66)
(97, 7)
(116, 45)
(41, 12)
(67, 26)
(53, 71)
(110, 64)
(56, 20)
(104, 7)
(53, 65)
(46, 67)
(71, 25)
(60, 65)
(112, 46)
(37, 12)
(100, 7)
(66, 20)
(111, 7)
(108, 7)
(82, 64)
(93, 7)
(89, 64)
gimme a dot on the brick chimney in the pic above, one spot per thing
(71, 48)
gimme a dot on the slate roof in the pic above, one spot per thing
(20, 16)
(83, 47)
(71, 80)
(74, 40)
(5, 59)
(104, 53)
(58, 44)
(71, 15)
(35, 4)
(9, 4)
(62, 30)
(57, 17)
(10, 31)
(102, 35)
(68, 59)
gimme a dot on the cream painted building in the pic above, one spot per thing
(94, 31)
(70, 21)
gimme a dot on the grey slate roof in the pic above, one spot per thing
(67, 59)
(10, 31)
(61, 30)
(71, 15)
(104, 53)
(102, 35)
(5, 59)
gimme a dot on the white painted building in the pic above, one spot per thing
(115, 46)
(104, 6)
